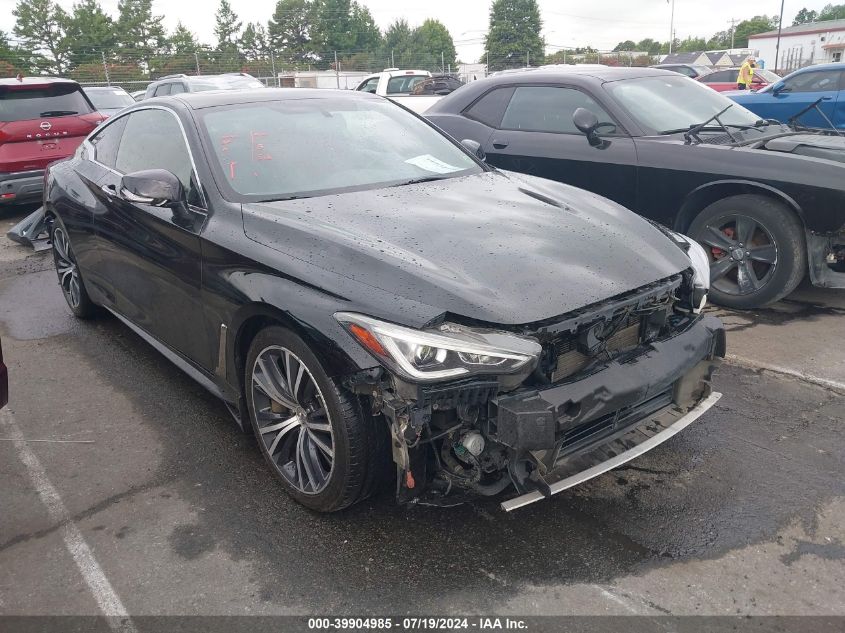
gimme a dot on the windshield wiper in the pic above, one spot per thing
(58, 113)
(794, 123)
(695, 129)
(285, 198)
(416, 181)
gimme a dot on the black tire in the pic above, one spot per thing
(357, 439)
(757, 250)
(67, 270)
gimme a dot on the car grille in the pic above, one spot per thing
(571, 360)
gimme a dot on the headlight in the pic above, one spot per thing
(450, 351)
(700, 265)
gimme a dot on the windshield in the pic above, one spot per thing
(295, 148)
(224, 82)
(767, 75)
(660, 104)
(109, 99)
(21, 104)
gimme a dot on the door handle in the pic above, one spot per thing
(109, 190)
(827, 98)
(500, 144)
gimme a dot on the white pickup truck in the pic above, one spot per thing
(397, 85)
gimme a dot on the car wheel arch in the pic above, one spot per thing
(705, 195)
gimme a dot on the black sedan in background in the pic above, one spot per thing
(350, 304)
(768, 203)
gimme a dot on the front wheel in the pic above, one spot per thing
(320, 441)
(70, 279)
(756, 248)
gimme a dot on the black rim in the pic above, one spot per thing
(66, 268)
(743, 254)
(292, 418)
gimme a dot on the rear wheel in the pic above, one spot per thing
(756, 248)
(320, 441)
(70, 279)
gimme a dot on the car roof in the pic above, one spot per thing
(34, 81)
(543, 74)
(109, 88)
(817, 67)
(212, 98)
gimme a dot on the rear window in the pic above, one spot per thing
(224, 82)
(22, 104)
(404, 83)
(109, 99)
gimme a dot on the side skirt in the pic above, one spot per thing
(183, 364)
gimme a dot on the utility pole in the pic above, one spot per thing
(336, 70)
(197, 60)
(105, 68)
(392, 61)
(672, 26)
(442, 62)
(777, 45)
(528, 59)
(733, 22)
(273, 69)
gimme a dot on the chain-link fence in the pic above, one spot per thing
(134, 69)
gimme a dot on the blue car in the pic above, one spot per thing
(786, 98)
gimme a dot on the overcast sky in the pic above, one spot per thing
(601, 24)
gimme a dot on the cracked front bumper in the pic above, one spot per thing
(571, 429)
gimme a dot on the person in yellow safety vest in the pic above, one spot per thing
(746, 74)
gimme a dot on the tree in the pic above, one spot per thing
(649, 45)
(42, 25)
(832, 12)
(289, 30)
(757, 24)
(805, 16)
(90, 33)
(367, 34)
(692, 45)
(333, 27)
(253, 42)
(12, 58)
(182, 41)
(513, 37)
(140, 34)
(627, 45)
(227, 27)
(398, 44)
(433, 46)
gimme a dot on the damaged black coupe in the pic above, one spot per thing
(356, 286)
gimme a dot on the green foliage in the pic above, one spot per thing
(253, 42)
(42, 24)
(691, 45)
(182, 41)
(757, 24)
(832, 12)
(90, 33)
(513, 38)
(649, 45)
(805, 16)
(13, 60)
(289, 30)
(227, 27)
(433, 46)
(398, 44)
(627, 45)
(140, 34)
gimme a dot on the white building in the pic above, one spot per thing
(802, 45)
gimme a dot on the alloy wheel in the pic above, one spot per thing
(292, 419)
(66, 268)
(743, 254)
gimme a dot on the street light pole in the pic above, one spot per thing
(671, 26)
(777, 45)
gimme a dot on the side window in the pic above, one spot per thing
(371, 85)
(721, 76)
(154, 140)
(177, 88)
(106, 142)
(548, 109)
(491, 107)
(163, 90)
(685, 70)
(820, 81)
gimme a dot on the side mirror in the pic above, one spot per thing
(475, 148)
(157, 187)
(587, 122)
(779, 87)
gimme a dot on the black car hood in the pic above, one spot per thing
(497, 247)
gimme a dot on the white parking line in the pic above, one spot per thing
(105, 595)
(786, 371)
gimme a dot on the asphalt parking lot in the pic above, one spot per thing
(742, 513)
